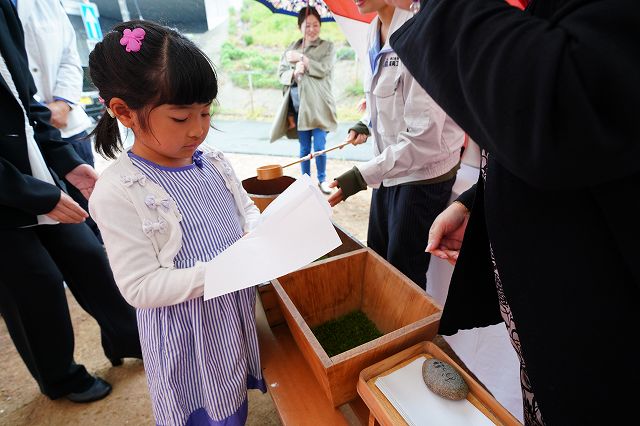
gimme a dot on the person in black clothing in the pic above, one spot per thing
(552, 96)
(43, 239)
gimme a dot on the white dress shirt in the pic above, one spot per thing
(50, 41)
(39, 169)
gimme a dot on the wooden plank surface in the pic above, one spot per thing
(270, 305)
(296, 394)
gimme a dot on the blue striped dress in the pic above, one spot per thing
(200, 356)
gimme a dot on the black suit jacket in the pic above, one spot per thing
(553, 95)
(23, 197)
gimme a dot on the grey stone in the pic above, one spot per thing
(444, 380)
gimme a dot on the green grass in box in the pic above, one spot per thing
(346, 332)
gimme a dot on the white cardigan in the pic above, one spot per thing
(140, 226)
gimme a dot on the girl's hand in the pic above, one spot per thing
(447, 232)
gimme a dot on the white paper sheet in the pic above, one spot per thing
(293, 231)
(297, 190)
(419, 406)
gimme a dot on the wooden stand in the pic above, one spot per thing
(360, 280)
(384, 413)
(348, 243)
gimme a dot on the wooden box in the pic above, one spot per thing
(268, 295)
(359, 280)
(386, 414)
(348, 243)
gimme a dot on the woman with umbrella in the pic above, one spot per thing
(306, 70)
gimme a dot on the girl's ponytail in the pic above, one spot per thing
(107, 136)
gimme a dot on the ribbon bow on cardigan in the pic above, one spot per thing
(149, 227)
(152, 203)
(197, 159)
(130, 180)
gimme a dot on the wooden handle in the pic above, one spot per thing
(315, 154)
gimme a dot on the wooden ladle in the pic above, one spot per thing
(274, 171)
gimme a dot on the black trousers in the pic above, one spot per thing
(399, 222)
(33, 264)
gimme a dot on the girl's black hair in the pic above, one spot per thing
(306, 11)
(168, 69)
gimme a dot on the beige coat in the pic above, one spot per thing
(317, 106)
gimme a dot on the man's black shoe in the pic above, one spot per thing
(98, 390)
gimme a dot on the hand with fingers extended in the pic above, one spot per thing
(336, 197)
(447, 232)
(84, 178)
(67, 210)
(356, 138)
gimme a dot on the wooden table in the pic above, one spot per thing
(297, 395)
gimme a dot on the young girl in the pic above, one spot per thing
(164, 208)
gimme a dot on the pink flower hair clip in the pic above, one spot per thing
(132, 39)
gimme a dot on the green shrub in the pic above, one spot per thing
(355, 89)
(259, 80)
(345, 53)
(236, 61)
(244, 15)
(232, 26)
(230, 52)
(248, 39)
